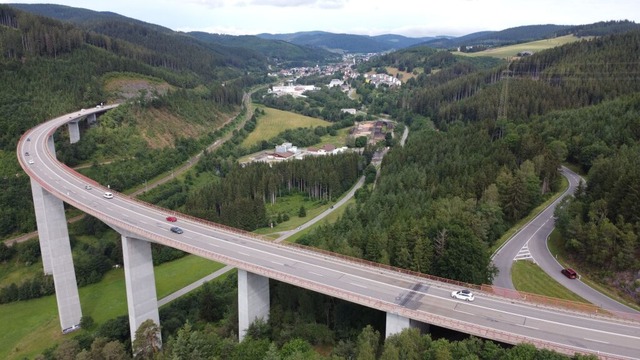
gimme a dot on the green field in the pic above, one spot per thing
(276, 121)
(528, 277)
(329, 219)
(34, 323)
(506, 52)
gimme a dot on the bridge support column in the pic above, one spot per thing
(140, 283)
(91, 119)
(41, 223)
(52, 146)
(253, 300)
(74, 132)
(56, 254)
(395, 324)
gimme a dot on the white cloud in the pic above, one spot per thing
(369, 17)
(322, 4)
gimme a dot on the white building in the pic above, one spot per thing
(335, 82)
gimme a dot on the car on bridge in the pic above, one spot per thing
(108, 195)
(176, 230)
(463, 295)
(172, 218)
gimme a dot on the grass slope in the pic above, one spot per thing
(528, 277)
(505, 52)
(32, 326)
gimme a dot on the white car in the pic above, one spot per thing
(108, 195)
(463, 295)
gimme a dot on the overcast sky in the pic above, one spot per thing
(412, 18)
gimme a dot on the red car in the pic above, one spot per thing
(570, 273)
(172, 218)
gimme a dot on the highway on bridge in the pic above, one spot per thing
(405, 294)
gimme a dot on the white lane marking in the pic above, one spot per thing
(463, 312)
(359, 285)
(315, 273)
(528, 327)
(277, 263)
(598, 341)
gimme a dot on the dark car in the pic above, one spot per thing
(570, 273)
(176, 230)
(172, 218)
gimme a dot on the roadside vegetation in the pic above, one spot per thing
(528, 277)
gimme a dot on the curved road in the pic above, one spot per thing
(393, 291)
(534, 235)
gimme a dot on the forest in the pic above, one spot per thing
(49, 68)
(252, 186)
(477, 173)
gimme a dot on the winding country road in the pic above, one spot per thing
(531, 240)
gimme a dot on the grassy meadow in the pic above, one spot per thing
(529, 277)
(276, 121)
(35, 325)
(506, 52)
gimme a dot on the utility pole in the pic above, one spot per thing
(504, 100)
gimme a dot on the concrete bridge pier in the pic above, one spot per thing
(56, 254)
(253, 300)
(52, 146)
(91, 119)
(396, 323)
(142, 300)
(74, 131)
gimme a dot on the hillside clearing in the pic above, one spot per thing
(276, 121)
(506, 52)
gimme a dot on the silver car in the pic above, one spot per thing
(463, 295)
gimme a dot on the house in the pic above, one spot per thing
(335, 82)
(293, 90)
(287, 146)
(324, 150)
(378, 79)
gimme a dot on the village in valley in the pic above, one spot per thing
(374, 130)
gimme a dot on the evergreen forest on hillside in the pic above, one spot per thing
(487, 138)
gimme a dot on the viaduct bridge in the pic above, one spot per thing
(407, 298)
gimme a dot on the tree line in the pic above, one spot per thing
(600, 225)
(302, 325)
(239, 198)
(577, 74)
